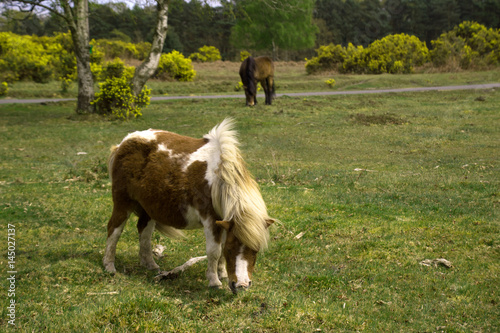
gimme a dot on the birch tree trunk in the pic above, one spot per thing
(77, 19)
(149, 66)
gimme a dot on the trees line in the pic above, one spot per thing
(261, 25)
(234, 25)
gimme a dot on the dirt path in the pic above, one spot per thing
(325, 93)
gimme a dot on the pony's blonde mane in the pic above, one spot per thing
(235, 194)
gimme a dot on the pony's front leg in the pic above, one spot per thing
(221, 269)
(214, 252)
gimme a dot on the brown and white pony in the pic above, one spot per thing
(173, 182)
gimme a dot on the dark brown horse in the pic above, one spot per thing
(253, 70)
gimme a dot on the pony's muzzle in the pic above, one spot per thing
(237, 286)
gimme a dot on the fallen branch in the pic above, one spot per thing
(436, 262)
(104, 293)
(299, 236)
(174, 273)
(158, 250)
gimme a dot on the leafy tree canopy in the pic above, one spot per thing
(266, 25)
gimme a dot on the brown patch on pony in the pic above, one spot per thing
(142, 173)
(179, 144)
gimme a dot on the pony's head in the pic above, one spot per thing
(251, 93)
(240, 259)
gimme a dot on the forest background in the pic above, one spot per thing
(197, 23)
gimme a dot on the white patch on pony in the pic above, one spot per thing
(208, 153)
(242, 270)
(148, 135)
(162, 147)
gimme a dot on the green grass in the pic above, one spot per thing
(222, 78)
(377, 183)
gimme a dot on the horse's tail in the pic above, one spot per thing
(168, 231)
(111, 160)
(250, 71)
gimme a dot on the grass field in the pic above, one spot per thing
(375, 184)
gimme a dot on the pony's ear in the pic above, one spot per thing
(269, 222)
(224, 224)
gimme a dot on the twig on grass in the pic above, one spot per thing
(103, 293)
(174, 273)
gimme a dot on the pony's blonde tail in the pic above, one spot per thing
(169, 231)
(111, 160)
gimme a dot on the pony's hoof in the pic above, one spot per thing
(152, 266)
(216, 287)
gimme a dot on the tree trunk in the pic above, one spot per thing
(149, 66)
(78, 22)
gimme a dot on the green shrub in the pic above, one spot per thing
(113, 69)
(206, 54)
(468, 44)
(115, 97)
(244, 55)
(330, 83)
(65, 84)
(239, 86)
(117, 48)
(392, 54)
(174, 65)
(395, 54)
(24, 58)
(96, 70)
(4, 88)
(330, 57)
(64, 56)
(354, 59)
(97, 53)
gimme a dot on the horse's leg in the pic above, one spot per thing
(146, 226)
(269, 90)
(247, 96)
(255, 93)
(270, 84)
(221, 268)
(221, 265)
(214, 252)
(265, 84)
(115, 227)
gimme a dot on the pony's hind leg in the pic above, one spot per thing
(115, 227)
(268, 84)
(221, 268)
(146, 226)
